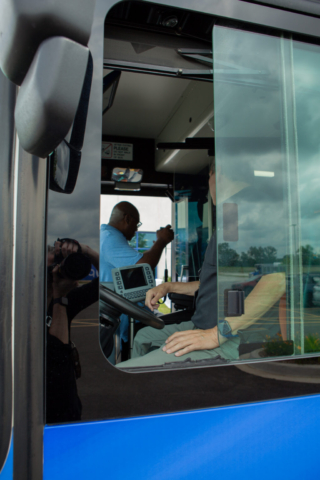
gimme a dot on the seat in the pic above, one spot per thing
(185, 306)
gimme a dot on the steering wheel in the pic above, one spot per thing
(129, 308)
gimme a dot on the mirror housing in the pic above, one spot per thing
(24, 25)
(49, 95)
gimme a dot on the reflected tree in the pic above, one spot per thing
(308, 255)
(259, 255)
(142, 241)
(227, 256)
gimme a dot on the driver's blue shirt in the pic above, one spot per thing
(115, 252)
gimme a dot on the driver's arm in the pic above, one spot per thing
(162, 290)
(264, 295)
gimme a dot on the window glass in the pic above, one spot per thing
(266, 144)
(193, 223)
(91, 340)
(306, 72)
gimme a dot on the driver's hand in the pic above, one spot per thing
(154, 295)
(181, 343)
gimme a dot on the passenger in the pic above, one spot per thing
(198, 339)
(65, 300)
(116, 252)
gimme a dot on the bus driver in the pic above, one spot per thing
(198, 339)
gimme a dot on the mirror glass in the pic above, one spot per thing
(60, 163)
(110, 85)
(64, 168)
(127, 175)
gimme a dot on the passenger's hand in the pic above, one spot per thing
(61, 286)
(166, 234)
(154, 295)
(181, 343)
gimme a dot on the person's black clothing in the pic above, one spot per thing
(62, 401)
(205, 315)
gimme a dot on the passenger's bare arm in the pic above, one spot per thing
(160, 291)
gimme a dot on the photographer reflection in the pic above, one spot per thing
(68, 261)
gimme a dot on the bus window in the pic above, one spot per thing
(194, 223)
(169, 109)
(235, 197)
(226, 155)
(266, 98)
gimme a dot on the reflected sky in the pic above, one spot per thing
(249, 137)
(250, 131)
(307, 93)
(77, 215)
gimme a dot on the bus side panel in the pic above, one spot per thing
(7, 159)
(7, 470)
(276, 439)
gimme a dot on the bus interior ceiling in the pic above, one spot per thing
(152, 106)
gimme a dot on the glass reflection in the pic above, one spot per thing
(69, 292)
(266, 119)
(307, 101)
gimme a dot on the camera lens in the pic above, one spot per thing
(76, 266)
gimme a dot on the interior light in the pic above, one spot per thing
(170, 22)
(259, 173)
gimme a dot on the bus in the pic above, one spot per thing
(202, 114)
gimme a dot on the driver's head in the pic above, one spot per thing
(125, 218)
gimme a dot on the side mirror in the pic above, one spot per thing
(65, 159)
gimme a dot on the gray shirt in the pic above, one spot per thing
(205, 315)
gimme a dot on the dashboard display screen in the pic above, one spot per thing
(133, 278)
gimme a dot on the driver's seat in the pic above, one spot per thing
(185, 306)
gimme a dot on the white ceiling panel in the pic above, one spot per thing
(142, 105)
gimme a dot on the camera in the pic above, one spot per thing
(75, 266)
